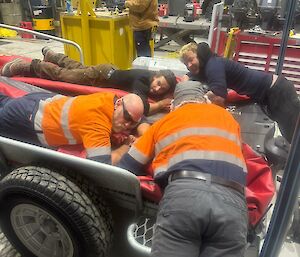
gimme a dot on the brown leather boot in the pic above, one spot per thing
(51, 56)
(16, 67)
(60, 59)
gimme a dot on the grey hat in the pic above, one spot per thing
(192, 91)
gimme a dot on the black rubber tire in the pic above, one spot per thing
(89, 231)
(3, 167)
(94, 194)
(6, 249)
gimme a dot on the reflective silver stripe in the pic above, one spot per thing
(38, 119)
(57, 97)
(64, 120)
(195, 132)
(138, 156)
(98, 151)
(42, 139)
(205, 155)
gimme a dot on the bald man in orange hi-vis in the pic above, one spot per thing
(53, 120)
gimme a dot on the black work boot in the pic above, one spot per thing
(16, 67)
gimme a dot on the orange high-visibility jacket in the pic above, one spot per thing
(203, 137)
(86, 120)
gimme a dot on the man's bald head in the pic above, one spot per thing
(128, 112)
(134, 105)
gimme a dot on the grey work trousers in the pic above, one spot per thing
(62, 68)
(200, 219)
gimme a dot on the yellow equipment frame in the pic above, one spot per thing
(104, 39)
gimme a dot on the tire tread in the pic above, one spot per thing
(65, 193)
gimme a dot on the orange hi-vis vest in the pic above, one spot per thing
(203, 137)
(86, 120)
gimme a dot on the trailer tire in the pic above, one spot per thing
(6, 249)
(51, 211)
(3, 166)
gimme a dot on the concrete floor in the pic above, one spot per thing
(32, 48)
(28, 47)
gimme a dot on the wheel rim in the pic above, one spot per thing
(40, 232)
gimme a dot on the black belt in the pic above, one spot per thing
(206, 177)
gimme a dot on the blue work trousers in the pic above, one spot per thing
(17, 116)
(142, 44)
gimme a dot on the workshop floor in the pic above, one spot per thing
(32, 48)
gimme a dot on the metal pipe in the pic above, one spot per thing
(46, 36)
(291, 5)
(286, 200)
(215, 23)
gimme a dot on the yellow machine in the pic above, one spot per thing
(103, 36)
(43, 19)
(43, 24)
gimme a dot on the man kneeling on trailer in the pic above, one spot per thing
(196, 157)
(54, 120)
